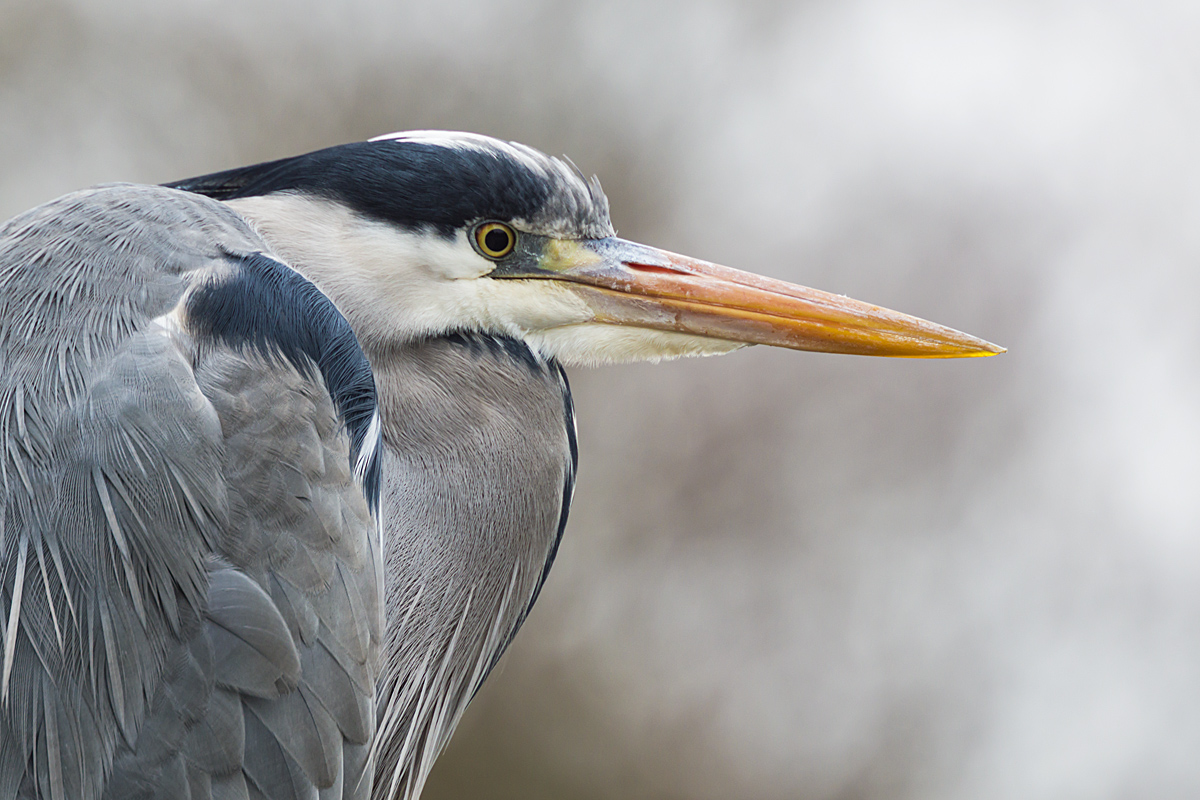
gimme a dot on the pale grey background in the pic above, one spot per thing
(786, 575)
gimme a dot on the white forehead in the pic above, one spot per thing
(462, 140)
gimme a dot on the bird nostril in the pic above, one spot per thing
(654, 268)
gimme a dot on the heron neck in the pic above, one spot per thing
(478, 467)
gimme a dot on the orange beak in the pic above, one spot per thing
(626, 283)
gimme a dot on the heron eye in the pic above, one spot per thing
(495, 239)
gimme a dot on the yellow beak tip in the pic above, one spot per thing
(994, 350)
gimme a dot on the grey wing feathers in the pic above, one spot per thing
(306, 537)
(189, 574)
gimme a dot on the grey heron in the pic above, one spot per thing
(289, 450)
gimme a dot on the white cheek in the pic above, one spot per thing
(452, 259)
(389, 283)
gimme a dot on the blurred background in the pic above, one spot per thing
(786, 575)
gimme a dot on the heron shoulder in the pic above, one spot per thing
(170, 552)
(267, 306)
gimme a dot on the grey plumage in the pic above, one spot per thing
(464, 422)
(253, 548)
(268, 670)
(263, 673)
(169, 581)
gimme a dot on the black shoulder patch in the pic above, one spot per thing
(270, 307)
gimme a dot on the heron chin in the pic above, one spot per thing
(289, 450)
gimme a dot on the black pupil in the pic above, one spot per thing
(496, 240)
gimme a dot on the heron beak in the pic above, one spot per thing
(626, 283)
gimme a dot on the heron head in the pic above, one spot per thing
(423, 233)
